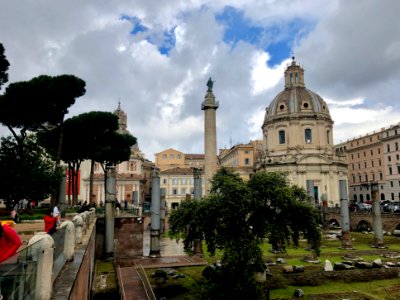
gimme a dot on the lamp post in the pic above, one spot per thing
(376, 217)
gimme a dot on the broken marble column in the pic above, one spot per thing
(344, 215)
(111, 196)
(376, 217)
(155, 214)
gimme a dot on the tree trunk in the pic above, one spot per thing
(91, 181)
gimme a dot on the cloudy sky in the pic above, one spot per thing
(155, 58)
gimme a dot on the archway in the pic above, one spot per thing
(363, 226)
(361, 198)
(333, 223)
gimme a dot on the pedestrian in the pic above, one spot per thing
(9, 242)
(50, 222)
(126, 204)
(14, 216)
(56, 214)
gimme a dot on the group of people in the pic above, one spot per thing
(10, 240)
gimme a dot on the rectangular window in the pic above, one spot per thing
(359, 166)
(390, 170)
(389, 158)
(372, 152)
(282, 137)
(373, 177)
(164, 156)
(174, 181)
(352, 156)
(380, 162)
(184, 181)
(191, 181)
(388, 148)
(358, 155)
(396, 146)
(398, 169)
(365, 164)
(178, 156)
(380, 176)
(246, 161)
(366, 177)
(164, 181)
(379, 150)
(365, 154)
(392, 194)
(174, 191)
(372, 163)
(183, 191)
(397, 157)
(352, 166)
(308, 136)
(171, 156)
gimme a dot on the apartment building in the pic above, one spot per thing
(374, 159)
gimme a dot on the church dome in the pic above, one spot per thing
(296, 101)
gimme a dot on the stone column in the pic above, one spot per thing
(197, 248)
(155, 214)
(344, 215)
(310, 191)
(163, 209)
(376, 217)
(109, 211)
(197, 183)
(210, 107)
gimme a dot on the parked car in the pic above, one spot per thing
(364, 206)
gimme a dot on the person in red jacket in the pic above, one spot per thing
(9, 242)
(50, 222)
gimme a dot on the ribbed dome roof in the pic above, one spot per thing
(296, 100)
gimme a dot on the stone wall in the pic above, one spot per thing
(128, 237)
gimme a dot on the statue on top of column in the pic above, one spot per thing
(210, 84)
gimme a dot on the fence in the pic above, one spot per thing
(31, 273)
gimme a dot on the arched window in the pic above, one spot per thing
(355, 197)
(282, 139)
(382, 196)
(368, 197)
(308, 136)
(361, 198)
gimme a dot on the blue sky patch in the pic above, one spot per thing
(277, 39)
(137, 26)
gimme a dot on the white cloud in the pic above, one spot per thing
(264, 77)
(352, 56)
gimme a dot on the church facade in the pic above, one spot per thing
(298, 140)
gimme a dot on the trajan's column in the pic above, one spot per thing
(210, 135)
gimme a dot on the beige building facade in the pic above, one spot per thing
(241, 158)
(176, 174)
(179, 185)
(374, 159)
(298, 139)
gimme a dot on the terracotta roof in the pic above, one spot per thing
(194, 156)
